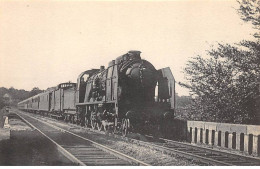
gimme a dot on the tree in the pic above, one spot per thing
(16, 95)
(249, 11)
(226, 85)
(35, 91)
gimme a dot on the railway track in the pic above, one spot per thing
(201, 155)
(78, 149)
(205, 156)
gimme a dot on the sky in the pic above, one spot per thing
(44, 43)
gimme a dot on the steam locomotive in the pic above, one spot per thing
(129, 96)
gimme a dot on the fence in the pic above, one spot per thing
(244, 138)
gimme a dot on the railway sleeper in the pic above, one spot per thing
(244, 163)
(197, 153)
(90, 153)
(180, 148)
(77, 146)
(215, 155)
(120, 164)
(238, 162)
(222, 158)
(84, 149)
(105, 162)
(95, 157)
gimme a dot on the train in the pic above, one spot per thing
(130, 95)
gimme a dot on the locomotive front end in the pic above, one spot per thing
(146, 94)
(143, 74)
(137, 82)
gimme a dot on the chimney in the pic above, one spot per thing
(102, 68)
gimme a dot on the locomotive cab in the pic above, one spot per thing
(81, 84)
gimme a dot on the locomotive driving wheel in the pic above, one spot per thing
(115, 126)
(93, 121)
(106, 127)
(99, 126)
(93, 124)
(125, 127)
(87, 121)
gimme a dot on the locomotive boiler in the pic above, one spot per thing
(130, 95)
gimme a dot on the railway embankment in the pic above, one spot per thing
(22, 145)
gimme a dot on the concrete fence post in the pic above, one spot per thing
(246, 140)
(255, 145)
(188, 135)
(210, 137)
(223, 138)
(193, 135)
(204, 136)
(238, 141)
(216, 138)
(198, 135)
(230, 140)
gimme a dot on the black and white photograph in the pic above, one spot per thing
(129, 83)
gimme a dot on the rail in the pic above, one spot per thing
(91, 153)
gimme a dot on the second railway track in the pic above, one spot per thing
(200, 154)
(78, 149)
